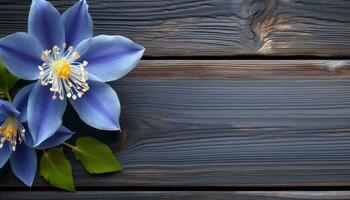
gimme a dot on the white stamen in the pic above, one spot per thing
(67, 77)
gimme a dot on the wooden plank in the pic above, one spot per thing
(241, 69)
(213, 27)
(266, 124)
(178, 195)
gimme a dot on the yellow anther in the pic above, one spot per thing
(76, 55)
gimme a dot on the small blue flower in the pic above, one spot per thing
(69, 63)
(16, 143)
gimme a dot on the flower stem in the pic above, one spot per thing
(69, 145)
(8, 96)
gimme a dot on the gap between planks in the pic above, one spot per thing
(179, 195)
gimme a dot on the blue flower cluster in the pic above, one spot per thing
(68, 64)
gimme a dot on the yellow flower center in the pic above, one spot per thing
(62, 69)
(65, 74)
(11, 131)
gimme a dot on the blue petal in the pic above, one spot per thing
(5, 153)
(21, 101)
(7, 109)
(99, 107)
(110, 57)
(45, 24)
(59, 138)
(44, 114)
(77, 23)
(24, 163)
(21, 54)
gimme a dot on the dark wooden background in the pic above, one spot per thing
(234, 99)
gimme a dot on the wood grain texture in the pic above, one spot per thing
(279, 127)
(213, 27)
(180, 195)
(241, 69)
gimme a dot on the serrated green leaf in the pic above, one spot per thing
(56, 169)
(95, 156)
(7, 80)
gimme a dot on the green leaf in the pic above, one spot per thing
(7, 80)
(95, 156)
(56, 169)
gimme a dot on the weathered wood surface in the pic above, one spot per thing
(180, 195)
(268, 123)
(233, 124)
(213, 27)
(241, 69)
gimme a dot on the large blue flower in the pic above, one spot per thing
(69, 63)
(16, 143)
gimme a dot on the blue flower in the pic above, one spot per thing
(16, 143)
(69, 63)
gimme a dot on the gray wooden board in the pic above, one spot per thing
(277, 126)
(213, 27)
